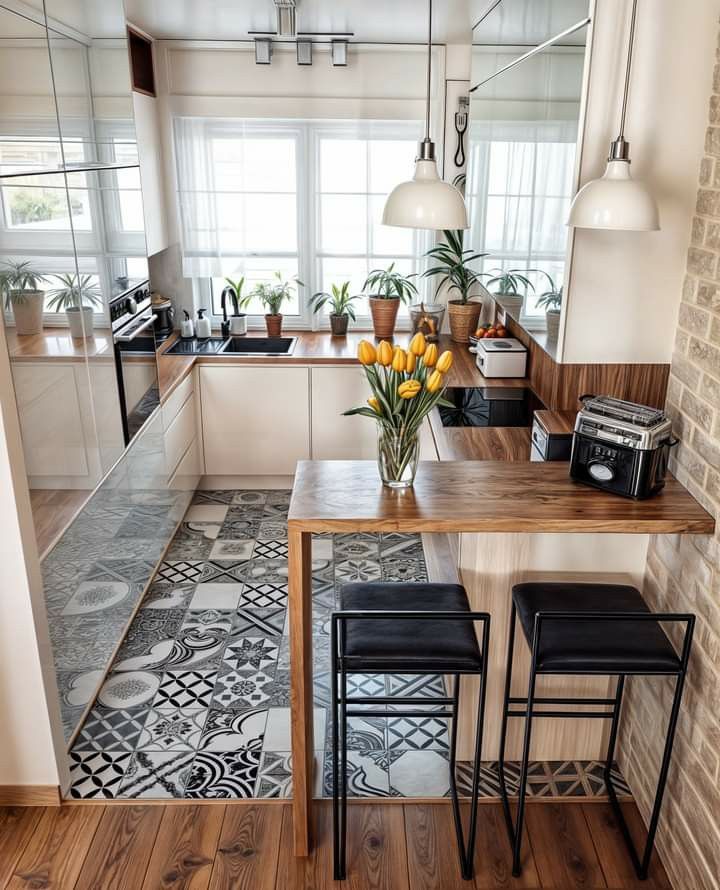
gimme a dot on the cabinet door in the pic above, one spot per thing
(256, 420)
(334, 437)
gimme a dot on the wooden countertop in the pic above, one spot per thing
(480, 496)
(56, 344)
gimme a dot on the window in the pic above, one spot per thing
(521, 188)
(299, 197)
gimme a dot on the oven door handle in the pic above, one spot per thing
(126, 338)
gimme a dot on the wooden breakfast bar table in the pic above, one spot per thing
(463, 496)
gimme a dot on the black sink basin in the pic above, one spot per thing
(260, 345)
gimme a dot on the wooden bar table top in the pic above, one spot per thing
(448, 496)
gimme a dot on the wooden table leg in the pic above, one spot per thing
(301, 685)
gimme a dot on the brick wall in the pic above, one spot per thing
(683, 571)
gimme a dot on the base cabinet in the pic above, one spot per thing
(256, 420)
(334, 437)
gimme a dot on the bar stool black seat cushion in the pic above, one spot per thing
(410, 645)
(612, 647)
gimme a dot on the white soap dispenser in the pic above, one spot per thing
(202, 325)
(187, 328)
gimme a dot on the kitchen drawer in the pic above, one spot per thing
(187, 475)
(180, 395)
(180, 434)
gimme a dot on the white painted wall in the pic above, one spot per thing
(625, 287)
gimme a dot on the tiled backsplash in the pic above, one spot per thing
(683, 572)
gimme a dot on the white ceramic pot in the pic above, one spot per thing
(552, 320)
(80, 322)
(28, 312)
(238, 325)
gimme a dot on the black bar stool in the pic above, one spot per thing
(405, 628)
(590, 629)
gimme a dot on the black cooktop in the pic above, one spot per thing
(489, 406)
(208, 346)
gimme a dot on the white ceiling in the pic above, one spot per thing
(403, 21)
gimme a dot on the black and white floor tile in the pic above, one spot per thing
(197, 704)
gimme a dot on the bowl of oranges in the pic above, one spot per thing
(488, 332)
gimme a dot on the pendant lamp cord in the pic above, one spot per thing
(626, 90)
(429, 65)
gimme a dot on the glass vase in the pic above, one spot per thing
(398, 455)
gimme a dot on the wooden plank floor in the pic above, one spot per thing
(248, 846)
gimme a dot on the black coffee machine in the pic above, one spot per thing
(165, 320)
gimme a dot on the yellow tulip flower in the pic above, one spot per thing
(367, 354)
(410, 362)
(434, 381)
(398, 360)
(409, 389)
(374, 404)
(384, 353)
(430, 356)
(418, 344)
(444, 363)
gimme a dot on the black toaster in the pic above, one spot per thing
(621, 447)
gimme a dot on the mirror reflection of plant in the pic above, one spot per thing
(454, 265)
(272, 296)
(76, 291)
(511, 282)
(339, 300)
(551, 298)
(237, 288)
(389, 284)
(17, 280)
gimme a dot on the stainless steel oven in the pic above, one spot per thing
(133, 326)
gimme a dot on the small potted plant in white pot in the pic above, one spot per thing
(272, 296)
(19, 287)
(511, 286)
(340, 301)
(77, 296)
(386, 289)
(453, 267)
(551, 301)
(238, 320)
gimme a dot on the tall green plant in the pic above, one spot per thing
(513, 282)
(388, 284)
(17, 280)
(339, 299)
(76, 291)
(272, 296)
(237, 287)
(453, 265)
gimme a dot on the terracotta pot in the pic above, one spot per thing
(80, 322)
(384, 314)
(273, 323)
(464, 319)
(339, 325)
(28, 313)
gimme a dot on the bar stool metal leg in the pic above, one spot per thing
(504, 724)
(335, 751)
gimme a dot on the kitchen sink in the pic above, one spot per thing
(260, 345)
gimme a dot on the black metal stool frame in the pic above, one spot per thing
(529, 711)
(340, 703)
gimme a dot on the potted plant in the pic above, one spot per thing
(77, 296)
(19, 286)
(406, 385)
(551, 301)
(455, 273)
(387, 289)
(272, 296)
(238, 320)
(511, 286)
(340, 301)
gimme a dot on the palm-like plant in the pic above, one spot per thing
(272, 295)
(552, 297)
(17, 281)
(388, 284)
(339, 299)
(236, 292)
(511, 282)
(453, 265)
(76, 291)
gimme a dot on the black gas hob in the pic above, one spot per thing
(489, 406)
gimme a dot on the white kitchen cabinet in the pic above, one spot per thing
(255, 420)
(150, 156)
(334, 437)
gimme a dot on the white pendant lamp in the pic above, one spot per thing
(616, 200)
(425, 201)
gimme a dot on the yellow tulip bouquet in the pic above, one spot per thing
(406, 386)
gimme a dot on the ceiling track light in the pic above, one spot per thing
(304, 50)
(338, 50)
(263, 51)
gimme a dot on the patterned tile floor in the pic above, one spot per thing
(197, 702)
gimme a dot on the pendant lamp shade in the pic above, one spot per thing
(615, 201)
(426, 201)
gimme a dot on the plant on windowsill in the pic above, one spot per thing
(19, 288)
(340, 301)
(551, 301)
(272, 296)
(386, 289)
(234, 290)
(453, 267)
(511, 286)
(77, 296)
